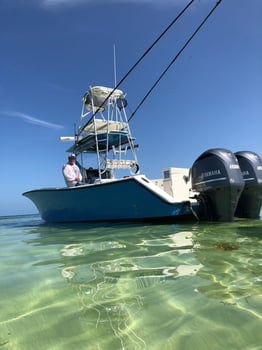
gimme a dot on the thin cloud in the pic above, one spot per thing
(27, 118)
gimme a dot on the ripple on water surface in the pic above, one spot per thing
(131, 286)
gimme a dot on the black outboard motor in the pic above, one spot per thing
(250, 201)
(217, 177)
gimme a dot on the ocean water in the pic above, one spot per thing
(130, 286)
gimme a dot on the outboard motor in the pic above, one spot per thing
(250, 201)
(217, 177)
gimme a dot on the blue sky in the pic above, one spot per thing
(53, 50)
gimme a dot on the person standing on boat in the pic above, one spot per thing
(71, 172)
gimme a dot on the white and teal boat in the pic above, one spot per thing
(114, 189)
(219, 186)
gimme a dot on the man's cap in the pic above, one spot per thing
(72, 155)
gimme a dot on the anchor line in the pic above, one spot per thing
(174, 59)
(193, 212)
(140, 59)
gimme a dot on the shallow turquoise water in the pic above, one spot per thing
(129, 286)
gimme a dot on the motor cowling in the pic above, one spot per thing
(217, 178)
(250, 201)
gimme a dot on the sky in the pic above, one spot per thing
(53, 50)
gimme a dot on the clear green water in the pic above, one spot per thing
(124, 286)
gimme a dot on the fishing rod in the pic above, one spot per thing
(174, 59)
(139, 60)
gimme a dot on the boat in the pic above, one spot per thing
(215, 188)
(114, 189)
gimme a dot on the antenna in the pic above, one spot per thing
(115, 63)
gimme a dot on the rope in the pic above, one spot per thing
(140, 59)
(193, 212)
(174, 59)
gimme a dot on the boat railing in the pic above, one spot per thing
(103, 126)
(120, 164)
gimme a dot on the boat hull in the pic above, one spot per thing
(132, 198)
